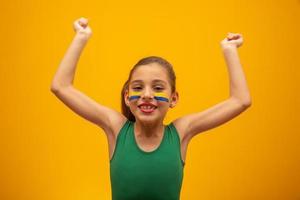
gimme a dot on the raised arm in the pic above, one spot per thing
(238, 101)
(62, 86)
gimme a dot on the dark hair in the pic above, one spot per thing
(144, 61)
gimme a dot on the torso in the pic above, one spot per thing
(146, 144)
(146, 168)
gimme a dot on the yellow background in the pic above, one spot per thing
(49, 152)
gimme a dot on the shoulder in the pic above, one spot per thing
(116, 125)
(181, 126)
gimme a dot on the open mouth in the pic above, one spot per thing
(147, 109)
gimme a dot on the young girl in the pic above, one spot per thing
(146, 156)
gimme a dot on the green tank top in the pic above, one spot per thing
(139, 175)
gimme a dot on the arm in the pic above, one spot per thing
(65, 73)
(62, 86)
(238, 101)
(238, 84)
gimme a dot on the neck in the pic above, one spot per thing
(148, 129)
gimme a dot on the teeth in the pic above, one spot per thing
(147, 107)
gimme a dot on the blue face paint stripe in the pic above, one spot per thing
(160, 96)
(134, 97)
(161, 99)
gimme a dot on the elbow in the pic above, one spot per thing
(53, 89)
(246, 103)
(56, 86)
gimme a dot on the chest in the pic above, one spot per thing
(148, 144)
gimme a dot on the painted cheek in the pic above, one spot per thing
(161, 96)
(134, 95)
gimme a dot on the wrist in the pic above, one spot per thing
(228, 47)
(81, 37)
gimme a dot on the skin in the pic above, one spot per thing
(150, 125)
(111, 121)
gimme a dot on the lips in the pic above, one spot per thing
(147, 104)
(147, 107)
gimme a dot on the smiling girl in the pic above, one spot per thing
(147, 158)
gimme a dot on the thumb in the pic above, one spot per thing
(77, 26)
(83, 21)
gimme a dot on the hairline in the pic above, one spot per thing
(155, 80)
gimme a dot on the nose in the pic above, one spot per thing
(147, 94)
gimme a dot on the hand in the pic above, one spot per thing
(232, 40)
(81, 27)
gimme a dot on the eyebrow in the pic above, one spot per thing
(155, 81)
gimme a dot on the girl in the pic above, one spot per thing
(146, 156)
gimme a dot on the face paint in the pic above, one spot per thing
(160, 96)
(134, 95)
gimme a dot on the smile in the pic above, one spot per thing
(147, 109)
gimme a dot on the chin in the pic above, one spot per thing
(146, 118)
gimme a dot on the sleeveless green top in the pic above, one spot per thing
(139, 175)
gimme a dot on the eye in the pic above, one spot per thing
(158, 88)
(136, 88)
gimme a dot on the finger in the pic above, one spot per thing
(237, 35)
(77, 25)
(83, 21)
(83, 24)
(234, 36)
(230, 35)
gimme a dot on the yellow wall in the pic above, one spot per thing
(49, 152)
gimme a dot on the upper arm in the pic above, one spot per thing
(195, 123)
(108, 119)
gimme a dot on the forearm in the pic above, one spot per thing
(65, 73)
(237, 79)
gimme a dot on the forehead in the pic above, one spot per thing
(149, 73)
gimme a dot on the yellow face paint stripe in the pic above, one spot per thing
(134, 95)
(160, 96)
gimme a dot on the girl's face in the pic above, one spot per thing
(149, 85)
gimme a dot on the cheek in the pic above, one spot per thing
(163, 106)
(161, 97)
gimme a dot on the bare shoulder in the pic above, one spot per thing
(117, 121)
(181, 125)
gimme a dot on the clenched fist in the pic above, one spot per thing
(81, 27)
(232, 40)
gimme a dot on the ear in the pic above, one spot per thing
(174, 99)
(126, 97)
